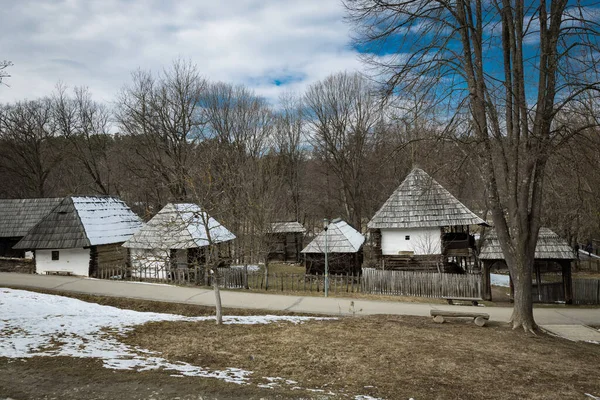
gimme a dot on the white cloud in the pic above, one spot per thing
(99, 43)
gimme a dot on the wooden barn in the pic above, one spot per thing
(80, 235)
(176, 237)
(286, 240)
(552, 280)
(422, 226)
(344, 250)
(17, 217)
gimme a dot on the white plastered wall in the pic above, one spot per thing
(422, 241)
(76, 261)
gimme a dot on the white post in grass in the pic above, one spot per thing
(325, 223)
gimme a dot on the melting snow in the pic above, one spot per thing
(35, 324)
(500, 280)
(251, 267)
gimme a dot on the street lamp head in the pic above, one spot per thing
(325, 223)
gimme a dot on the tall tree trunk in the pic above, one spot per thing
(522, 315)
(218, 306)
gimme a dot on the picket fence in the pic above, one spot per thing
(372, 281)
(422, 284)
(586, 291)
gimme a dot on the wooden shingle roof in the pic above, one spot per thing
(179, 226)
(341, 238)
(287, 227)
(18, 216)
(82, 222)
(421, 202)
(550, 246)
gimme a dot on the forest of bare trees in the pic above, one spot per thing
(334, 151)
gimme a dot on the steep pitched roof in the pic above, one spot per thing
(421, 202)
(18, 216)
(287, 227)
(179, 226)
(341, 238)
(83, 222)
(550, 246)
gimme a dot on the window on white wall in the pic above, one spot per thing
(407, 237)
(54, 255)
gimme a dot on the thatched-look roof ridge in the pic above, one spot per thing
(341, 238)
(179, 226)
(550, 246)
(18, 216)
(421, 202)
(287, 227)
(82, 221)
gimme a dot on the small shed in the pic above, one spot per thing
(286, 240)
(176, 237)
(81, 234)
(17, 217)
(422, 225)
(344, 246)
(552, 280)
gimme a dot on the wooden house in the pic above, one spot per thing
(286, 240)
(17, 217)
(80, 235)
(176, 237)
(423, 226)
(552, 280)
(344, 250)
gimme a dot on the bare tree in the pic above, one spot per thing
(473, 57)
(289, 141)
(29, 144)
(164, 113)
(342, 115)
(240, 125)
(85, 124)
(3, 66)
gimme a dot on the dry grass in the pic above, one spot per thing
(400, 357)
(385, 356)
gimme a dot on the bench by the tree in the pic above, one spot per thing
(478, 318)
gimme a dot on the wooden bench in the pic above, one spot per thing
(478, 318)
(474, 300)
(68, 273)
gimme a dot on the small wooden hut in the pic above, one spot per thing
(422, 226)
(175, 238)
(80, 235)
(552, 280)
(17, 217)
(344, 250)
(286, 240)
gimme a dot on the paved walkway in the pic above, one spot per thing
(574, 332)
(303, 304)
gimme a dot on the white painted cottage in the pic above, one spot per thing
(175, 237)
(422, 219)
(80, 235)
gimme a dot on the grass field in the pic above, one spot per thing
(381, 356)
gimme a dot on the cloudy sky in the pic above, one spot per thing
(268, 45)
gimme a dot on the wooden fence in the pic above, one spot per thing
(372, 281)
(422, 284)
(586, 291)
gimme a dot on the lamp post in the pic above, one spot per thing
(325, 224)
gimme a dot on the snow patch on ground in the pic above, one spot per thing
(35, 324)
(500, 280)
(251, 267)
